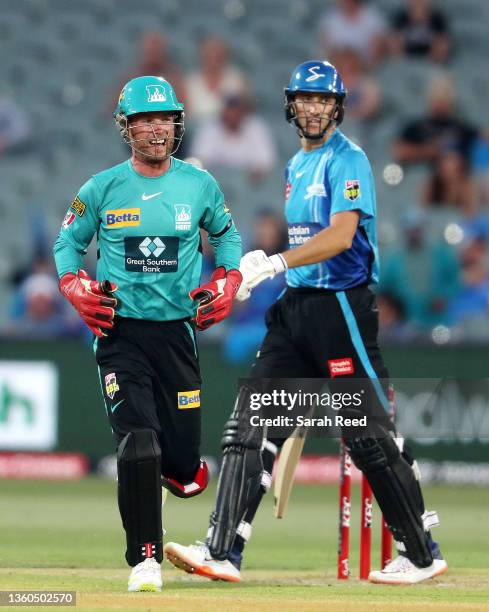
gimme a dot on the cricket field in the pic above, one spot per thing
(68, 537)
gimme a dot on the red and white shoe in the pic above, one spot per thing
(402, 571)
(196, 559)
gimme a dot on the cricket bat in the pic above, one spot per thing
(287, 464)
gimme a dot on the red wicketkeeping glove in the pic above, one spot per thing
(216, 297)
(92, 299)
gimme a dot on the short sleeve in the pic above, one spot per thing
(352, 185)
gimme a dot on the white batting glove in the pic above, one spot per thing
(256, 267)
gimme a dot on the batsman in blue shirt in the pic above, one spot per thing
(324, 326)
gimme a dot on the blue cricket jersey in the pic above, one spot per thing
(333, 178)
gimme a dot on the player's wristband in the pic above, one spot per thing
(278, 262)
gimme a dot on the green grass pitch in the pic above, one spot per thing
(67, 536)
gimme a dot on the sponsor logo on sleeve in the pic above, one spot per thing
(111, 386)
(352, 190)
(68, 220)
(78, 206)
(124, 217)
(340, 367)
(183, 217)
(188, 399)
(151, 253)
(288, 189)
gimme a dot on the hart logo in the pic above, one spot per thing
(152, 247)
(352, 190)
(124, 217)
(151, 253)
(156, 93)
(188, 399)
(183, 216)
(340, 367)
(111, 386)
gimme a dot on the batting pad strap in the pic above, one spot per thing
(430, 520)
(266, 480)
(269, 446)
(244, 530)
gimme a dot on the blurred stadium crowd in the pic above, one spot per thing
(418, 89)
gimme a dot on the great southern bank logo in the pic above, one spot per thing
(153, 247)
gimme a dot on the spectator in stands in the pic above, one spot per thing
(236, 139)
(422, 274)
(247, 325)
(451, 183)
(155, 60)
(352, 24)
(425, 139)
(44, 314)
(363, 91)
(215, 79)
(15, 128)
(472, 302)
(421, 30)
(393, 325)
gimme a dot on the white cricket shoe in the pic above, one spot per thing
(145, 576)
(196, 559)
(402, 571)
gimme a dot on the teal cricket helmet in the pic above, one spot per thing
(146, 94)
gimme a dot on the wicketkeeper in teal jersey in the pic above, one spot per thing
(147, 214)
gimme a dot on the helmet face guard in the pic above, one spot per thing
(316, 77)
(148, 94)
(122, 123)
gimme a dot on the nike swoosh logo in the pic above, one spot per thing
(115, 405)
(148, 197)
(299, 174)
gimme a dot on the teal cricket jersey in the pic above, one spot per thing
(333, 178)
(148, 236)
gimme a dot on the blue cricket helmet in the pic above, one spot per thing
(315, 76)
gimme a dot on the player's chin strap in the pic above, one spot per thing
(122, 124)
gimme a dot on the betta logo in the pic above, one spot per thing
(128, 217)
(188, 399)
